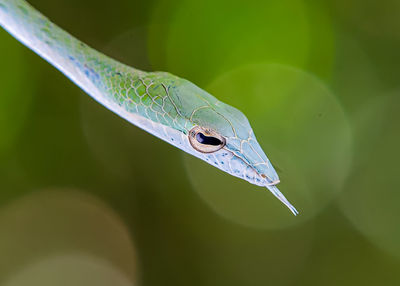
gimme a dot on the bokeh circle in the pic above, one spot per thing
(371, 196)
(71, 269)
(63, 222)
(200, 40)
(305, 133)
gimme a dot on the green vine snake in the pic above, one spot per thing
(162, 104)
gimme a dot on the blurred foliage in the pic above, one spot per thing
(16, 98)
(88, 199)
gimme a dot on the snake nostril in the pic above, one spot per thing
(270, 182)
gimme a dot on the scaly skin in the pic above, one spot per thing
(160, 103)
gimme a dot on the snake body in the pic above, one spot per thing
(164, 105)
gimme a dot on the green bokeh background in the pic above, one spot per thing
(88, 199)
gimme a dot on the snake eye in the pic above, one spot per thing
(205, 140)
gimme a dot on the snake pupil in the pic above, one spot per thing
(207, 140)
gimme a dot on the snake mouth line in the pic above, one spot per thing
(273, 183)
(264, 176)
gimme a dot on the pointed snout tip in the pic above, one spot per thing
(292, 208)
(275, 191)
(273, 183)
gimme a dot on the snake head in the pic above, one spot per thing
(222, 136)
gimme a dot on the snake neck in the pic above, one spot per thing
(94, 72)
(141, 98)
